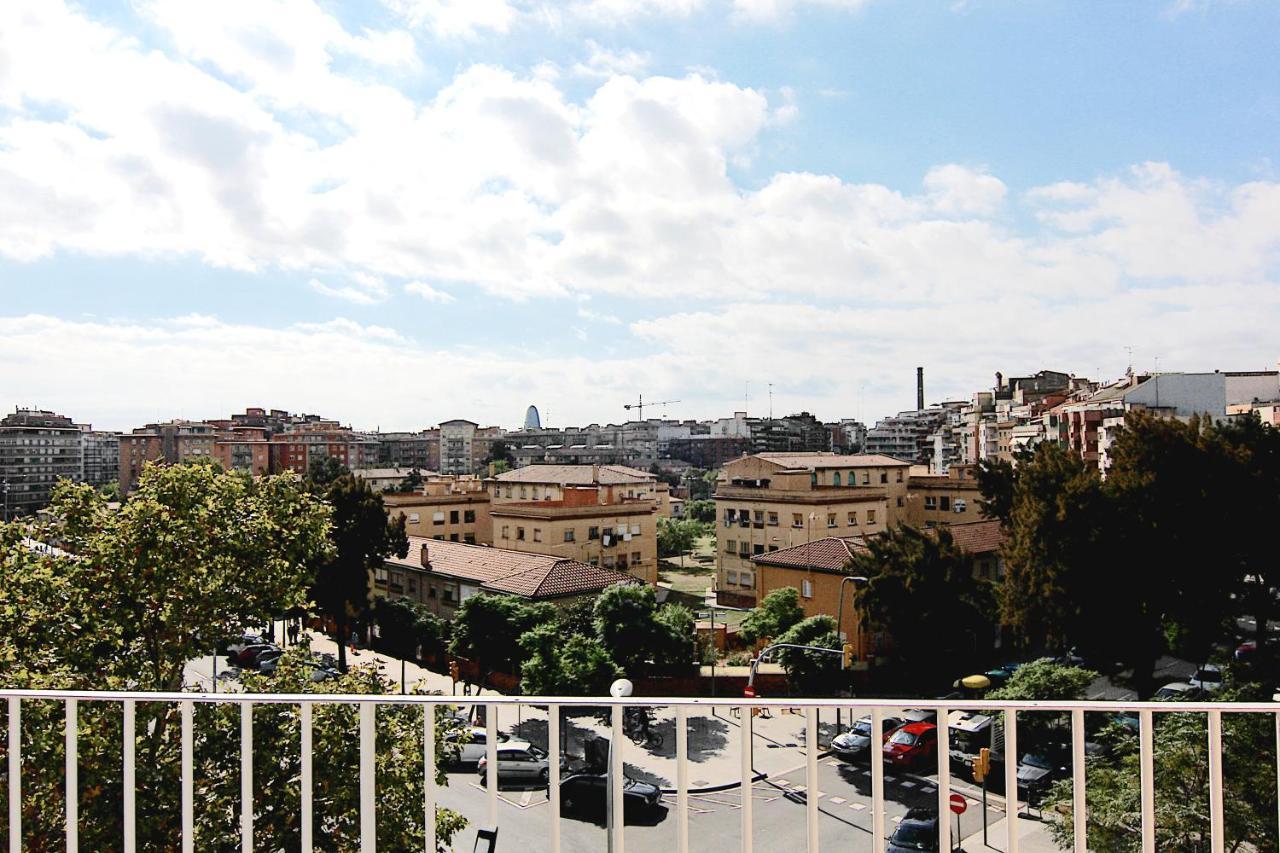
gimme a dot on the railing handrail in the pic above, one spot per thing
(651, 701)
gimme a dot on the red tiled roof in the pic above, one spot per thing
(833, 553)
(512, 572)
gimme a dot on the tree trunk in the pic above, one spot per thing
(341, 622)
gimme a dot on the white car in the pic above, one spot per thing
(1174, 690)
(469, 745)
(1207, 678)
(518, 762)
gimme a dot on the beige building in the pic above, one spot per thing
(442, 575)
(603, 515)
(772, 501)
(941, 500)
(448, 511)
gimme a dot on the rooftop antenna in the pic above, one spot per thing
(1129, 350)
(770, 401)
(746, 396)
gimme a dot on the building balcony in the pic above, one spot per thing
(800, 798)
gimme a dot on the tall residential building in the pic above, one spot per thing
(37, 448)
(295, 447)
(908, 436)
(465, 445)
(171, 442)
(771, 501)
(419, 450)
(101, 455)
(602, 515)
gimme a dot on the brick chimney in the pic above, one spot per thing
(595, 474)
(426, 556)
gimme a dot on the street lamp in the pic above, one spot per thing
(620, 689)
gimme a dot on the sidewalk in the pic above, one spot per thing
(1033, 837)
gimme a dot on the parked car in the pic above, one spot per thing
(237, 645)
(1207, 678)
(1035, 772)
(912, 745)
(1129, 719)
(1173, 691)
(265, 661)
(469, 745)
(919, 715)
(586, 794)
(517, 762)
(918, 830)
(247, 657)
(855, 744)
(1247, 650)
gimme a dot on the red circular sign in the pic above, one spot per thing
(749, 692)
(958, 803)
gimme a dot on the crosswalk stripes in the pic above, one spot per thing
(837, 800)
(857, 807)
(906, 783)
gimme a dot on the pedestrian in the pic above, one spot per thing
(293, 633)
(355, 638)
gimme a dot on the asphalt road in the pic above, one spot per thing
(524, 815)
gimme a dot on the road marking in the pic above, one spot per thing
(897, 818)
(837, 800)
(799, 789)
(907, 783)
(525, 798)
(857, 807)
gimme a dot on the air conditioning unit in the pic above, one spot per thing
(958, 506)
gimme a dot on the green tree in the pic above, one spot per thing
(922, 592)
(487, 629)
(677, 536)
(500, 453)
(1046, 681)
(323, 470)
(996, 479)
(703, 511)
(554, 666)
(774, 616)
(363, 538)
(812, 673)
(636, 635)
(135, 594)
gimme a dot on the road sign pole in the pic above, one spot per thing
(984, 811)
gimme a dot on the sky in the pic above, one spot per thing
(396, 213)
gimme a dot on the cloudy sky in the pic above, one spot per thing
(399, 212)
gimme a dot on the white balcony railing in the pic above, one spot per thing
(368, 705)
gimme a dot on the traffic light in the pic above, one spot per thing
(453, 670)
(847, 661)
(982, 766)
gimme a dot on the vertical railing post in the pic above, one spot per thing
(129, 732)
(682, 779)
(368, 756)
(429, 775)
(1079, 803)
(15, 775)
(553, 783)
(617, 805)
(491, 759)
(876, 748)
(1011, 779)
(811, 778)
(748, 773)
(246, 777)
(944, 782)
(1146, 780)
(307, 818)
(188, 777)
(71, 776)
(1217, 833)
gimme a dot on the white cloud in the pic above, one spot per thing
(955, 189)
(429, 293)
(355, 293)
(604, 63)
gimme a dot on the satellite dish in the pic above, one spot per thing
(621, 688)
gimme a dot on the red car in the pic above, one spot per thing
(912, 745)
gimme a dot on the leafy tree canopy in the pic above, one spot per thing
(774, 616)
(812, 673)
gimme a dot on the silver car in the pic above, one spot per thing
(518, 762)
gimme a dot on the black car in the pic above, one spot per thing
(1035, 773)
(917, 831)
(586, 794)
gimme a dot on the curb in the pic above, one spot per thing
(729, 786)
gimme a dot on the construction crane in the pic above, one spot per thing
(641, 404)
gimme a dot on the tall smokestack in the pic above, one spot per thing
(919, 389)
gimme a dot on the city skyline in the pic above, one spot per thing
(405, 211)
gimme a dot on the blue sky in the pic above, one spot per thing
(400, 212)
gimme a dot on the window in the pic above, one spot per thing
(439, 537)
(469, 538)
(506, 532)
(900, 475)
(831, 519)
(746, 579)
(608, 562)
(453, 516)
(773, 519)
(537, 534)
(744, 549)
(853, 519)
(797, 519)
(431, 592)
(757, 549)
(729, 515)
(930, 502)
(944, 503)
(437, 518)
(813, 478)
(866, 478)
(448, 594)
(469, 516)
(871, 516)
(380, 575)
(524, 492)
(960, 504)
(884, 476)
(635, 530)
(835, 478)
(635, 557)
(773, 548)
(453, 537)
(758, 518)
(593, 533)
(731, 578)
(730, 546)
(520, 533)
(568, 534)
(806, 588)
(413, 518)
(901, 501)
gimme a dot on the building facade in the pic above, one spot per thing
(101, 455)
(171, 442)
(37, 448)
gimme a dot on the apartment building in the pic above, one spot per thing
(771, 501)
(171, 442)
(37, 448)
(943, 500)
(602, 515)
(295, 447)
(442, 575)
(446, 510)
(244, 449)
(101, 455)
(464, 446)
(419, 450)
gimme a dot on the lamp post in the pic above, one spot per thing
(620, 689)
